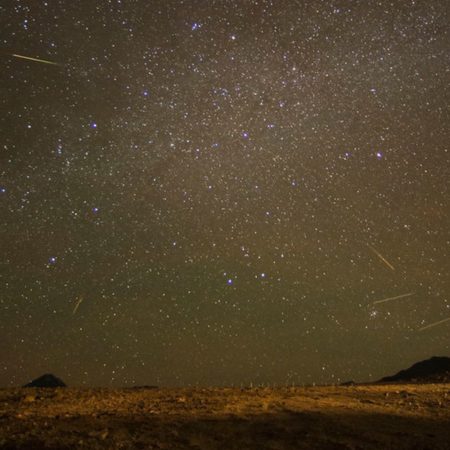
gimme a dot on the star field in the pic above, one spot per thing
(217, 192)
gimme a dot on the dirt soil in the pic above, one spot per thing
(351, 417)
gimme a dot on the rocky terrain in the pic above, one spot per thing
(410, 416)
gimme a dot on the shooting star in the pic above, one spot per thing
(431, 325)
(393, 298)
(44, 61)
(80, 299)
(381, 257)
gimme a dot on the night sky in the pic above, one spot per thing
(219, 192)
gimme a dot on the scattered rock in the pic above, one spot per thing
(102, 434)
(29, 399)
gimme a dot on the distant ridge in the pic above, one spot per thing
(47, 380)
(433, 370)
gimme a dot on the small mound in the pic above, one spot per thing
(47, 381)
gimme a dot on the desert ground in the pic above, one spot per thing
(413, 416)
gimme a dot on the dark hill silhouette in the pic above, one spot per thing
(433, 370)
(48, 380)
(143, 387)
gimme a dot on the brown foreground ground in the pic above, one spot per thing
(354, 417)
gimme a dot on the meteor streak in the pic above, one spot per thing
(393, 298)
(80, 299)
(431, 325)
(44, 61)
(381, 257)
